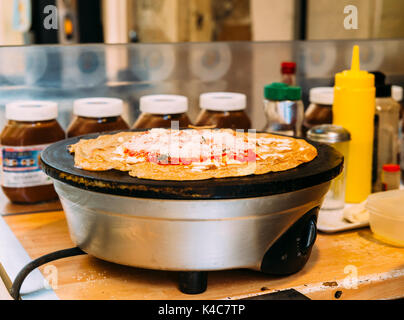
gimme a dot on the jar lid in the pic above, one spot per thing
(391, 168)
(322, 95)
(163, 104)
(397, 93)
(288, 67)
(293, 93)
(223, 101)
(32, 110)
(276, 91)
(328, 133)
(98, 107)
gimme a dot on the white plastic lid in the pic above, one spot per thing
(163, 104)
(223, 101)
(32, 110)
(397, 93)
(98, 107)
(322, 95)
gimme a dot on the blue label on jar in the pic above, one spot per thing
(21, 167)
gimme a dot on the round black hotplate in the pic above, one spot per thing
(58, 163)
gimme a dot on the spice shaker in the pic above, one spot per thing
(390, 177)
(284, 109)
(339, 138)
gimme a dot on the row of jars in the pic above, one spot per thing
(32, 126)
(219, 110)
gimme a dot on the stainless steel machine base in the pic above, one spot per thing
(187, 235)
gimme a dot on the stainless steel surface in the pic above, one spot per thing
(328, 133)
(13, 258)
(182, 235)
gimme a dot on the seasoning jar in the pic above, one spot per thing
(320, 108)
(288, 72)
(31, 127)
(390, 177)
(284, 109)
(93, 115)
(337, 137)
(163, 111)
(223, 110)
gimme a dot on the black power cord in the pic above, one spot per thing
(66, 253)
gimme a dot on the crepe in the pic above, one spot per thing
(167, 154)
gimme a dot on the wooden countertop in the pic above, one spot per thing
(329, 274)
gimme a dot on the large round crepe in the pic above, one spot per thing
(280, 154)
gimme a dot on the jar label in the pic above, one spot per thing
(20, 167)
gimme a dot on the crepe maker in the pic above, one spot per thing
(260, 222)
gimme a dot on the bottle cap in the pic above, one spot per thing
(223, 101)
(328, 133)
(288, 67)
(355, 78)
(383, 90)
(397, 93)
(391, 168)
(322, 95)
(98, 107)
(276, 91)
(163, 104)
(293, 93)
(32, 110)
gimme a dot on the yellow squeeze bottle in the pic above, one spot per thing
(354, 109)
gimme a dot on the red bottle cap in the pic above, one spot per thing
(288, 67)
(391, 168)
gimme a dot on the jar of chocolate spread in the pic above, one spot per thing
(223, 110)
(163, 111)
(31, 127)
(93, 115)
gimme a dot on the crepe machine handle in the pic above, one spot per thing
(290, 253)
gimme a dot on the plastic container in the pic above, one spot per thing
(31, 127)
(223, 110)
(386, 216)
(354, 109)
(320, 108)
(93, 115)
(284, 109)
(163, 111)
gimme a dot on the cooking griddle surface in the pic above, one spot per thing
(58, 163)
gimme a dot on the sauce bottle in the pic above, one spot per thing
(93, 115)
(288, 71)
(386, 129)
(354, 109)
(223, 110)
(31, 127)
(163, 111)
